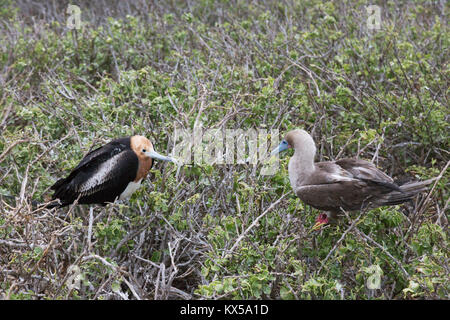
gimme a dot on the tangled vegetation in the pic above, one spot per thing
(222, 231)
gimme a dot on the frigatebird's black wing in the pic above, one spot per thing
(105, 152)
(95, 157)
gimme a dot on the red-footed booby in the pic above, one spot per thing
(346, 184)
(113, 171)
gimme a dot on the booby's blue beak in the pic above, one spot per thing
(282, 147)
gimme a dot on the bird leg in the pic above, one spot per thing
(322, 219)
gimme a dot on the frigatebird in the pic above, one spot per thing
(110, 172)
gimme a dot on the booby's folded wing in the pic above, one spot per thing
(349, 195)
(362, 169)
(368, 172)
(350, 184)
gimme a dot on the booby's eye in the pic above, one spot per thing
(284, 142)
(143, 150)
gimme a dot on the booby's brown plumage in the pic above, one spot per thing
(347, 184)
(112, 171)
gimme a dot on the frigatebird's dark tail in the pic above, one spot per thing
(11, 200)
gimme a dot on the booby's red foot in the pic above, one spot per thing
(321, 220)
